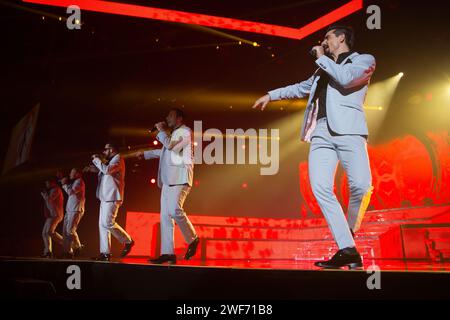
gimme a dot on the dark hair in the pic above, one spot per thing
(345, 30)
(113, 146)
(180, 113)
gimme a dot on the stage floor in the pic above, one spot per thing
(382, 264)
(134, 278)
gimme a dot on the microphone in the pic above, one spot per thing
(154, 129)
(313, 52)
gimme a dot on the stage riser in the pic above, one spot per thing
(127, 281)
(275, 238)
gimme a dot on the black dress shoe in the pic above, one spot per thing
(127, 248)
(47, 255)
(347, 257)
(169, 258)
(103, 257)
(77, 251)
(67, 255)
(192, 249)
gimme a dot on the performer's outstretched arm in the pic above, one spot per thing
(110, 168)
(294, 91)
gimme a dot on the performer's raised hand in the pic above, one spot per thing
(90, 168)
(137, 154)
(161, 126)
(261, 102)
(318, 51)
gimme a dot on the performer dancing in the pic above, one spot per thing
(54, 202)
(74, 212)
(110, 190)
(175, 174)
(336, 127)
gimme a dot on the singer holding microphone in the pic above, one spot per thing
(335, 125)
(175, 175)
(110, 191)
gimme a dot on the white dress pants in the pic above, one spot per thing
(107, 226)
(49, 233)
(172, 200)
(325, 153)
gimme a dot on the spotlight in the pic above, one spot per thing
(153, 181)
(401, 74)
(255, 44)
(155, 142)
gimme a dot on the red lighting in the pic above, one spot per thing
(207, 20)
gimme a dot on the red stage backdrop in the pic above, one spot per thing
(407, 171)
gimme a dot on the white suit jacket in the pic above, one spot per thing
(54, 201)
(176, 165)
(76, 195)
(111, 179)
(346, 92)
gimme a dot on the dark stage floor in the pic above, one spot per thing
(220, 279)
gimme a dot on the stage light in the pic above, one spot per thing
(244, 185)
(152, 181)
(195, 143)
(255, 44)
(155, 142)
(379, 97)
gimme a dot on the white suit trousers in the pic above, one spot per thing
(172, 200)
(70, 235)
(49, 233)
(107, 226)
(325, 153)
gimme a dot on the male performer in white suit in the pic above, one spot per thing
(336, 127)
(74, 212)
(175, 174)
(54, 201)
(110, 189)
